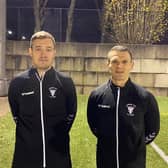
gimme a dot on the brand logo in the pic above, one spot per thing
(52, 91)
(131, 108)
(27, 93)
(103, 106)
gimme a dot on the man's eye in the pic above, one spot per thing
(41, 49)
(49, 49)
(125, 62)
(37, 49)
(114, 62)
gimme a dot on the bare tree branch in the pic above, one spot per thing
(135, 21)
(39, 13)
(70, 21)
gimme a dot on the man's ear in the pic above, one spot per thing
(132, 65)
(107, 62)
(30, 52)
(55, 52)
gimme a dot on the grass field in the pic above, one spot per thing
(83, 143)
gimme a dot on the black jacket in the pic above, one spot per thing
(124, 120)
(44, 110)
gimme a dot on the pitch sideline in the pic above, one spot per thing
(160, 152)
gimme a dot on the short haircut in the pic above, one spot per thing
(42, 35)
(120, 48)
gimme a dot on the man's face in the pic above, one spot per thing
(42, 53)
(120, 65)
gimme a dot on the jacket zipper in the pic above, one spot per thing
(117, 125)
(42, 120)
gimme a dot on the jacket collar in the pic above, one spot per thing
(113, 86)
(33, 71)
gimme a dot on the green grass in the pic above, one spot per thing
(83, 143)
(7, 128)
(162, 139)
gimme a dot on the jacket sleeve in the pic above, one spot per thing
(71, 103)
(92, 117)
(12, 99)
(152, 119)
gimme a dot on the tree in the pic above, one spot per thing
(39, 13)
(101, 18)
(135, 21)
(70, 20)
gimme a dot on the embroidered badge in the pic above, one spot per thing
(131, 108)
(52, 91)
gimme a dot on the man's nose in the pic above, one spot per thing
(119, 64)
(43, 52)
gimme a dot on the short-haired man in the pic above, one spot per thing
(122, 115)
(43, 103)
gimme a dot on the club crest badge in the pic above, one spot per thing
(131, 108)
(52, 91)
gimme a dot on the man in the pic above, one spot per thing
(43, 103)
(122, 115)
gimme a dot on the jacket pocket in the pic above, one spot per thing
(28, 103)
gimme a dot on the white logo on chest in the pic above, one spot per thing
(52, 91)
(131, 108)
(27, 93)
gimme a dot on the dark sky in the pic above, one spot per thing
(86, 26)
(81, 4)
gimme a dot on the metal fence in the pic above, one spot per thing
(86, 24)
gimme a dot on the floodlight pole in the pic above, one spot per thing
(3, 79)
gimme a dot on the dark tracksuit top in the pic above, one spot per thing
(124, 120)
(44, 110)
